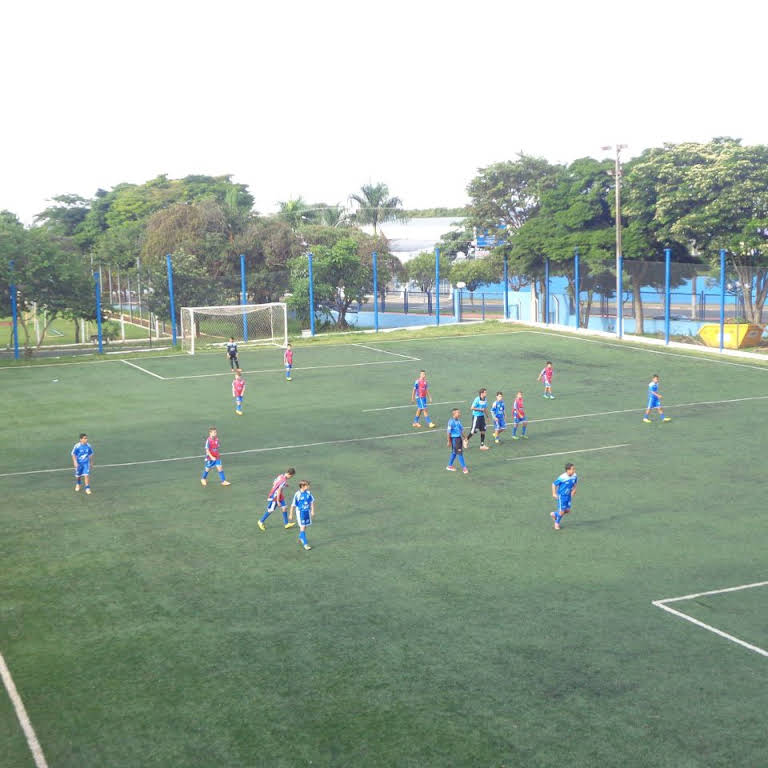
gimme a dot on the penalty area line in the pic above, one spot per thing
(143, 370)
(568, 453)
(663, 605)
(387, 352)
(295, 368)
(21, 714)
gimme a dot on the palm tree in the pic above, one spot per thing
(293, 212)
(376, 206)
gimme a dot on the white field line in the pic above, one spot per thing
(200, 457)
(651, 350)
(143, 370)
(359, 439)
(21, 714)
(663, 605)
(568, 453)
(386, 352)
(410, 405)
(295, 368)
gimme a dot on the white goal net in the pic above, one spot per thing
(209, 327)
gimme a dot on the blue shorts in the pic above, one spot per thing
(520, 419)
(421, 402)
(83, 468)
(210, 464)
(272, 503)
(653, 402)
(303, 516)
(239, 399)
(500, 422)
(563, 503)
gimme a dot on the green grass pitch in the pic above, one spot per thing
(438, 619)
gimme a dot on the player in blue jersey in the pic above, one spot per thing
(304, 504)
(498, 409)
(518, 417)
(456, 441)
(81, 459)
(654, 401)
(564, 489)
(234, 363)
(421, 397)
(479, 412)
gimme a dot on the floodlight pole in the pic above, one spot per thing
(619, 290)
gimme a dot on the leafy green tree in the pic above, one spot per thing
(474, 272)
(705, 197)
(421, 269)
(376, 206)
(294, 213)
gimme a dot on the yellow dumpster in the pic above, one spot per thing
(735, 335)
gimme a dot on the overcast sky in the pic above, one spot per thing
(317, 98)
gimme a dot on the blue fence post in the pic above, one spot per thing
(311, 297)
(14, 316)
(546, 291)
(576, 287)
(506, 287)
(722, 298)
(375, 293)
(97, 288)
(243, 295)
(437, 286)
(667, 293)
(169, 268)
(620, 299)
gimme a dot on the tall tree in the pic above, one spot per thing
(376, 206)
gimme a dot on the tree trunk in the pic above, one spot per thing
(637, 301)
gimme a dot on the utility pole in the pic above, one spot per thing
(619, 291)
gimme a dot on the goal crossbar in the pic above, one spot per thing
(209, 327)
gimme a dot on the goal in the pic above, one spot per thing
(208, 327)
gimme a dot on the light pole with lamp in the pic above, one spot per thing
(619, 290)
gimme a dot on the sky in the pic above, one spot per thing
(315, 99)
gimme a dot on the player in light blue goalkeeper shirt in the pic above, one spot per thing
(81, 459)
(654, 401)
(479, 411)
(563, 489)
(499, 411)
(456, 441)
(304, 504)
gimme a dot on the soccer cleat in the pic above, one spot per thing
(667, 418)
(451, 469)
(484, 447)
(416, 424)
(225, 482)
(88, 491)
(432, 425)
(525, 437)
(515, 437)
(557, 526)
(465, 470)
(261, 525)
(287, 378)
(646, 420)
(290, 525)
(203, 482)
(239, 413)
(496, 440)
(551, 397)
(306, 546)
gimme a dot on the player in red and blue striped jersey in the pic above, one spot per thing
(288, 361)
(545, 377)
(238, 391)
(213, 458)
(421, 396)
(276, 498)
(518, 417)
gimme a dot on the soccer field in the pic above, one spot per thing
(438, 620)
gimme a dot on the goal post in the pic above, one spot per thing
(208, 327)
